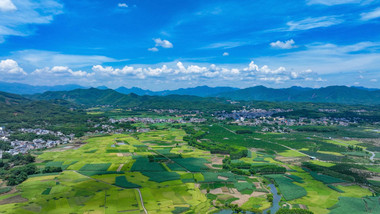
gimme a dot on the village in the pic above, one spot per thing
(23, 146)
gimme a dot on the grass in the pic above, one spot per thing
(325, 178)
(260, 203)
(164, 191)
(357, 205)
(95, 167)
(291, 153)
(191, 164)
(330, 153)
(320, 197)
(288, 189)
(143, 165)
(245, 187)
(322, 163)
(295, 178)
(46, 191)
(5, 189)
(335, 188)
(161, 176)
(121, 181)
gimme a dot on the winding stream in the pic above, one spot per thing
(273, 209)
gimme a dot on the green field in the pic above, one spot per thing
(104, 174)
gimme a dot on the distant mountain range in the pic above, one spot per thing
(200, 91)
(330, 94)
(94, 97)
(19, 88)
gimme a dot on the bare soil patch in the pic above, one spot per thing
(209, 165)
(222, 178)
(302, 206)
(374, 178)
(121, 166)
(13, 199)
(244, 198)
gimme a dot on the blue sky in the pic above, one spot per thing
(168, 44)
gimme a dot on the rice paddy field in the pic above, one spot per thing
(158, 172)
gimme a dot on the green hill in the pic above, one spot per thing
(331, 94)
(95, 97)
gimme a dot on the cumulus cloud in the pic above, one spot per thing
(7, 5)
(373, 80)
(124, 5)
(289, 44)
(374, 14)
(163, 43)
(226, 54)
(9, 66)
(60, 71)
(315, 22)
(154, 49)
(177, 71)
(160, 43)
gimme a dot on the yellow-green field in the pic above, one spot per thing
(105, 175)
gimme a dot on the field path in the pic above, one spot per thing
(228, 129)
(138, 190)
(121, 166)
(372, 156)
(142, 202)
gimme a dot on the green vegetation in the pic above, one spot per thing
(161, 176)
(121, 181)
(5, 189)
(356, 205)
(288, 189)
(184, 168)
(95, 167)
(293, 211)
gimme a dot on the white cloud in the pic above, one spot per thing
(289, 44)
(124, 5)
(154, 49)
(226, 54)
(225, 45)
(333, 2)
(40, 58)
(60, 71)
(374, 14)
(373, 80)
(9, 66)
(330, 58)
(18, 21)
(163, 43)
(275, 79)
(296, 75)
(310, 23)
(175, 71)
(7, 5)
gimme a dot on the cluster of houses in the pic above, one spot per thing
(20, 146)
(148, 120)
(302, 121)
(248, 114)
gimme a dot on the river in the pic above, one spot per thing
(273, 209)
